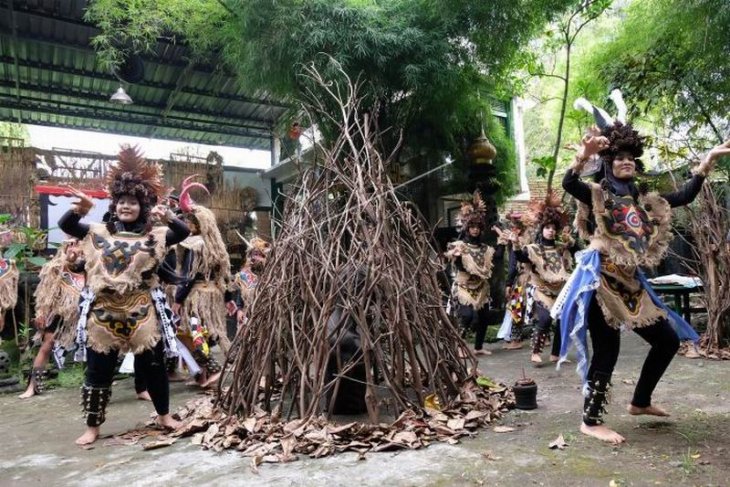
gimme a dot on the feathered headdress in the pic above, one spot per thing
(620, 134)
(544, 212)
(255, 245)
(134, 176)
(473, 212)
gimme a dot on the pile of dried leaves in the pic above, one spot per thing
(265, 437)
(704, 350)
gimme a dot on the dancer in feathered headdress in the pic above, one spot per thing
(247, 278)
(517, 300)
(627, 229)
(202, 300)
(57, 309)
(123, 306)
(473, 260)
(549, 261)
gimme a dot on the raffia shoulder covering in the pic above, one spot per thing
(659, 213)
(9, 276)
(118, 263)
(58, 292)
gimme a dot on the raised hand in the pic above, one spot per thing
(505, 235)
(592, 143)
(162, 213)
(720, 150)
(711, 158)
(84, 203)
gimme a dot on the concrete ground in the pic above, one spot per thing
(690, 448)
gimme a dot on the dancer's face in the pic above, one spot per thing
(257, 260)
(548, 231)
(128, 209)
(624, 166)
(474, 231)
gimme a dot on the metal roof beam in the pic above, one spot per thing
(146, 84)
(228, 140)
(31, 102)
(84, 96)
(56, 109)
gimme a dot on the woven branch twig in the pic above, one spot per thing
(351, 262)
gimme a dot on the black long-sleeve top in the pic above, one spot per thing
(683, 196)
(70, 223)
(512, 269)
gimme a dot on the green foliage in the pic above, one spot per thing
(70, 376)
(424, 62)
(14, 131)
(668, 57)
(23, 252)
(553, 61)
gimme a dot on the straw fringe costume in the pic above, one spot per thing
(627, 229)
(125, 310)
(9, 276)
(549, 263)
(473, 260)
(247, 279)
(519, 301)
(57, 300)
(205, 263)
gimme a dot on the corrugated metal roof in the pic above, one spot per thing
(49, 75)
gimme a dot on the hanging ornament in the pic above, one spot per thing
(295, 131)
(481, 151)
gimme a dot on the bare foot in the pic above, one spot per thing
(481, 351)
(167, 421)
(554, 358)
(535, 358)
(144, 396)
(512, 345)
(29, 392)
(89, 436)
(603, 433)
(649, 410)
(211, 381)
(692, 352)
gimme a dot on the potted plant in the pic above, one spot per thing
(525, 390)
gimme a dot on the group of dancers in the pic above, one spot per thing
(156, 283)
(148, 281)
(594, 292)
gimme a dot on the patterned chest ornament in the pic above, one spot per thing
(248, 278)
(117, 255)
(552, 260)
(4, 267)
(628, 223)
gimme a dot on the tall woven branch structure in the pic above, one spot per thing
(349, 300)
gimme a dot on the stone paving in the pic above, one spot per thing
(690, 448)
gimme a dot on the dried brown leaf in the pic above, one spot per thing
(161, 443)
(558, 443)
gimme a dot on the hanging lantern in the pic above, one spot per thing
(481, 151)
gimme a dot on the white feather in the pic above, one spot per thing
(618, 100)
(605, 115)
(583, 104)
